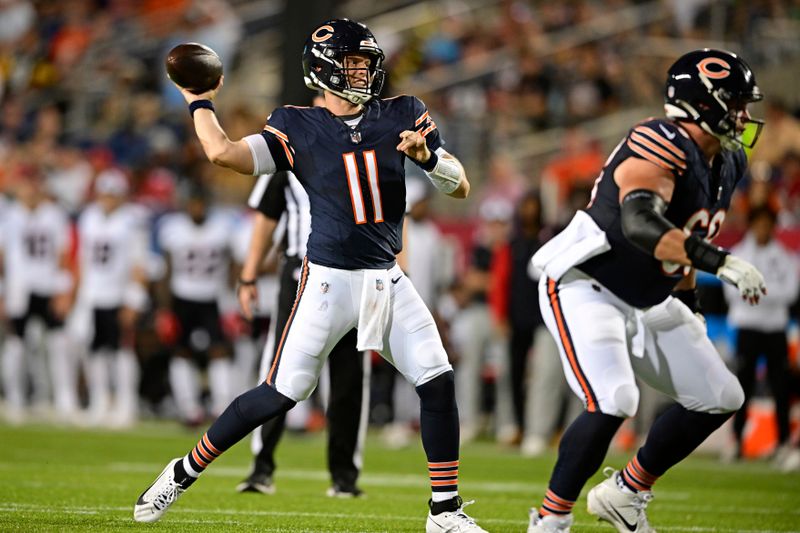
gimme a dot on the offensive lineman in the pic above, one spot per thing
(349, 157)
(605, 293)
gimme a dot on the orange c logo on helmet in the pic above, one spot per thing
(723, 69)
(318, 37)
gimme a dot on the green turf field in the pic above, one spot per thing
(69, 480)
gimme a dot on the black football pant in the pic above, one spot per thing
(346, 368)
(750, 345)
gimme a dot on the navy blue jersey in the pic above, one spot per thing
(699, 202)
(354, 176)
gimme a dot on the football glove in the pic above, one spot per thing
(744, 277)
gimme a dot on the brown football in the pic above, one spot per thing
(194, 66)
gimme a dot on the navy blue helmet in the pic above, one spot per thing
(324, 54)
(712, 89)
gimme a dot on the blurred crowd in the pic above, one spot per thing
(88, 120)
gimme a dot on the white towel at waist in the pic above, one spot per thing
(373, 315)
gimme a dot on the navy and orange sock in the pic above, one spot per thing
(195, 462)
(635, 477)
(555, 505)
(444, 480)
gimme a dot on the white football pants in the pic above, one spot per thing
(327, 307)
(604, 342)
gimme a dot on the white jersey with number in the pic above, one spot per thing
(199, 254)
(111, 245)
(33, 242)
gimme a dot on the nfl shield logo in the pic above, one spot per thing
(379, 284)
(323, 287)
(355, 136)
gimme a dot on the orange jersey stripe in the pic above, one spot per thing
(421, 119)
(429, 129)
(650, 157)
(655, 136)
(301, 287)
(443, 465)
(568, 348)
(641, 139)
(277, 133)
(288, 152)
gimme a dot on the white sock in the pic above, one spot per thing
(63, 372)
(187, 466)
(219, 380)
(443, 496)
(99, 383)
(13, 370)
(183, 380)
(126, 377)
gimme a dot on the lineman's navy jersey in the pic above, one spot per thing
(699, 202)
(354, 176)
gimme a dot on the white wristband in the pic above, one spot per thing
(446, 175)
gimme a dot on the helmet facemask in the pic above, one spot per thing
(340, 74)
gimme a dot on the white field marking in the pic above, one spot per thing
(24, 507)
(378, 480)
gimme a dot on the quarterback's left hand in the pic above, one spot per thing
(744, 276)
(413, 144)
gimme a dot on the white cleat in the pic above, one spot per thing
(158, 497)
(549, 524)
(622, 508)
(453, 521)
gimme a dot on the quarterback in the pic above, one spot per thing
(349, 157)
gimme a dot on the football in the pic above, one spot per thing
(194, 67)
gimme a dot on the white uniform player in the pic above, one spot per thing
(35, 240)
(245, 349)
(112, 254)
(198, 249)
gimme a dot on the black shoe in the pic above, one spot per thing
(257, 482)
(344, 491)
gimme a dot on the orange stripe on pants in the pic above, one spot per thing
(569, 349)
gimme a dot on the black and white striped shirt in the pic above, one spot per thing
(280, 197)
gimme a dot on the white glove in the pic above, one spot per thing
(744, 277)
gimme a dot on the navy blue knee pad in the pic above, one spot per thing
(439, 394)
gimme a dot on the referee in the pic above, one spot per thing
(282, 204)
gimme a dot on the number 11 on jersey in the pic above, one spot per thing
(354, 183)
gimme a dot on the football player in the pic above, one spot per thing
(618, 290)
(349, 158)
(112, 251)
(283, 202)
(197, 250)
(34, 262)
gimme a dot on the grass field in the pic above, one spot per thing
(68, 480)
